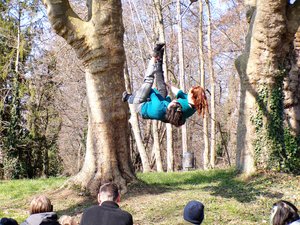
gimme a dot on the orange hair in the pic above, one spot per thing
(200, 100)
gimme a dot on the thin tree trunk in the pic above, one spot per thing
(18, 41)
(161, 38)
(212, 84)
(134, 121)
(156, 148)
(202, 82)
(181, 72)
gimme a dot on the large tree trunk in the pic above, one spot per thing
(99, 44)
(202, 82)
(291, 88)
(260, 131)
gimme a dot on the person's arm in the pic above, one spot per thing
(174, 90)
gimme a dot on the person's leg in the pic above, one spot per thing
(160, 81)
(143, 92)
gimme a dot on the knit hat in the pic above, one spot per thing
(8, 221)
(194, 212)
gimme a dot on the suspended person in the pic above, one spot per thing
(155, 104)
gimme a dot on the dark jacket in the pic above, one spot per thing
(47, 218)
(108, 213)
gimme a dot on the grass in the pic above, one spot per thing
(159, 198)
(15, 194)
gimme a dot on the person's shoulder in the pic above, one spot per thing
(91, 209)
(126, 213)
(155, 90)
(127, 216)
(297, 222)
(8, 221)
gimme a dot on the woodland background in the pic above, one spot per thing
(43, 95)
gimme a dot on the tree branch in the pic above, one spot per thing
(62, 18)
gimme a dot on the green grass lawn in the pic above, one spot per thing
(15, 195)
(159, 198)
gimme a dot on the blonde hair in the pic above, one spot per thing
(67, 220)
(40, 204)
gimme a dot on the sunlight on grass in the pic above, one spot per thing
(183, 179)
(20, 189)
(15, 193)
(159, 198)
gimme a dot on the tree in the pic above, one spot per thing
(134, 121)
(262, 68)
(15, 48)
(98, 42)
(181, 71)
(162, 38)
(212, 86)
(202, 82)
(43, 119)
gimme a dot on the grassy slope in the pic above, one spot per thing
(159, 198)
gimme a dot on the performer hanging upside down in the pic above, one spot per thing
(155, 104)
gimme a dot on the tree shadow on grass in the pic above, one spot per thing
(223, 183)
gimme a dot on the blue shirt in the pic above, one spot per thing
(157, 106)
(182, 99)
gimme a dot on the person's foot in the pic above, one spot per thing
(158, 50)
(125, 96)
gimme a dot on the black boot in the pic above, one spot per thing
(125, 96)
(157, 50)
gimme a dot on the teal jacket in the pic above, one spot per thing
(182, 99)
(157, 106)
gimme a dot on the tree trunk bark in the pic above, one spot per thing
(161, 38)
(156, 148)
(202, 82)
(291, 89)
(134, 121)
(181, 72)
(260, 130)
(212, 90)
(99, 44)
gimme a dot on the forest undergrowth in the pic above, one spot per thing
(159, 198)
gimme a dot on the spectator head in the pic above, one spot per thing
(194, 212)
(283, 212)
(40, 204)
(67, 220)
(8, 221)
(108, 192)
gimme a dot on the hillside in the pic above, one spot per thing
(159, 198)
